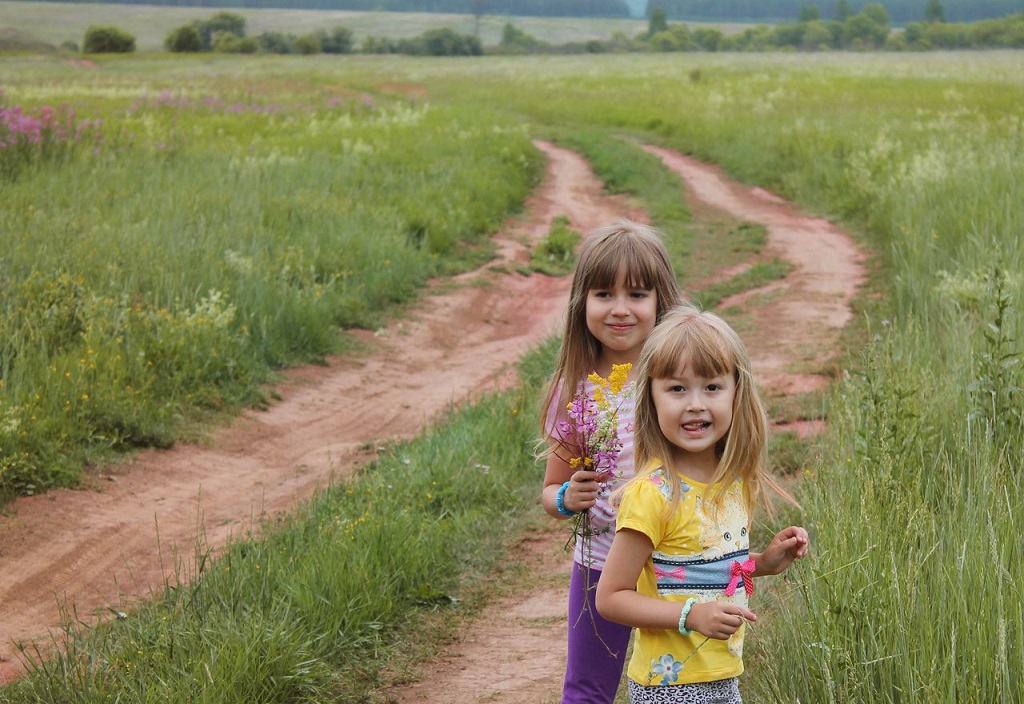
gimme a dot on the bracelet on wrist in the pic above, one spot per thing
(560, 501)
(683, 614)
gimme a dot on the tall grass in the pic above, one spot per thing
(327, 604)
(213, 231)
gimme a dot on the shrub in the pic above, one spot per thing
(221, 22)
(339, 41)
(224, 22)
(443, 42)
(276, 43)
(107, 40)
(308, 44)
(515, 40)
(184, 39)
(708, 39)
(378, 45)
(230, 43)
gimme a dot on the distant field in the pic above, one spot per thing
(58, 22)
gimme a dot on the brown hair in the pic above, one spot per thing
(623, 245)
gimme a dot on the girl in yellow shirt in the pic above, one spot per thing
(679, 569)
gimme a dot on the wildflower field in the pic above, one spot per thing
(175, 229)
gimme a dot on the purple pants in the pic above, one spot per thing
(597, 648)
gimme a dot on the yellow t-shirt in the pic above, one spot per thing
(694, 552)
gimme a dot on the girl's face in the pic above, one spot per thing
(621, 318)
(694, 414)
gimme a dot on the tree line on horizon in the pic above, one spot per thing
(868, 30)
(744, 11)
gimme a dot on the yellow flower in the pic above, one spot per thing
(617, 379)
(574, 462)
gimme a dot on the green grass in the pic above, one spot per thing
(758, 275)
(322, 605)
(263, 217)
(915, 498)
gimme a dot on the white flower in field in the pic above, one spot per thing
(238, 262)
(11, 422)
(212, 310)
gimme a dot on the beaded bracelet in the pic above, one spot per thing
(560, 501)
(683, 614)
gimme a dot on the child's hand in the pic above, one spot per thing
(582, 492)
(788, 545)
(718, 619)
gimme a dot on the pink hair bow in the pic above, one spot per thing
(677, 572)
(744, 571)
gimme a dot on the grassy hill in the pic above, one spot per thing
(54, 23)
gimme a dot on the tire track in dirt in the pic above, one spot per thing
(105, 546)
(515, 652)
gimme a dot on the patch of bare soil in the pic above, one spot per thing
(105, 546)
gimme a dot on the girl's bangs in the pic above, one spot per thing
(640, 270)
(708, 354)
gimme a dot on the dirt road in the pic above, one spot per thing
(103, 546)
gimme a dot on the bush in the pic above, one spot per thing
(276, 43)
(221, 22)
(107, 40)
(339, 41)
(516, 41)
(378, 45)
(308, 44)
(184, 39)
(447, 42)
(69, 45)
(230, 43)
(708, 39)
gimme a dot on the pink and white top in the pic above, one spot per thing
(602, 514)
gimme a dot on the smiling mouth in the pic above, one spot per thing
(696, 426)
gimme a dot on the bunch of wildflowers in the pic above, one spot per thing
(48, 133)
(590, 437)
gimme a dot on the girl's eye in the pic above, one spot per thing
(676, 388)
(714, 387)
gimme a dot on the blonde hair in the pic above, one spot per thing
(622, 246)
(685, 337)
